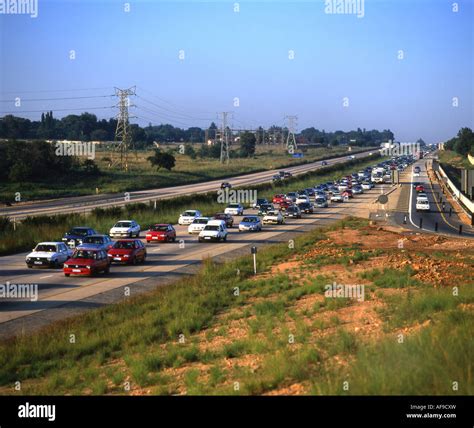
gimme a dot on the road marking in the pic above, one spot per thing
(47, 276)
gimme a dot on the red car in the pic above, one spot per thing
(285, 204)
(420, 188)
(87, 261)
(127, 251)
(278, 199)
(161, 232)
(347, 193)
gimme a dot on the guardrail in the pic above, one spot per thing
(463, 200)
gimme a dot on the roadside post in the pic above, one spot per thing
(254, 253)
(421, 222)
(405, 219)
(436, 226)
(450, 211)
(460, 229)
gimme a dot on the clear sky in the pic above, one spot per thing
(246, 55)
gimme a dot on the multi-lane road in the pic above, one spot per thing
(81, 204)
(438, 219)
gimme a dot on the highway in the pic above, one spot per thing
(60, 297)
(83, 204)
(437, 220)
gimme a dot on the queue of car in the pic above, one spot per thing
(84, 251)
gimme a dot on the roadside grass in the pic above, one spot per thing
(48, 228)
(417, 306)
(437, 360)
(392, 278)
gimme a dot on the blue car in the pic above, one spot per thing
(76, 235)
(100, 242)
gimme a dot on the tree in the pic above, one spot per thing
(464, 142)
(162, 160)
(247, 144)
(189, 151)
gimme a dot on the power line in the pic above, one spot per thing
(56, 110)
(57, 99)
(173, 112)
(55, 90)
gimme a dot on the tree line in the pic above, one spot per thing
(87, 127)
(463, 143)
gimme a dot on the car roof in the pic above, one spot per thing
(215, 222)
(97, 235)
(161, 224)
(89, 248)
(127, 240)
(50, 243)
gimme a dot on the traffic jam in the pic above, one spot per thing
(84, 251)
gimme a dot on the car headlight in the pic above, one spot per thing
(66, 266)
(28, 259)
(88, 267)
(126, 255)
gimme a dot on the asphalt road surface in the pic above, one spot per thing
(438, 219)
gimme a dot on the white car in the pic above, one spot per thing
(125, 229)
(273, 217)
(198, 224)
(342, 187)
(367, 186)
(337, 197)
(422, 204)
(416, 171)
(214, 230)
(301, 199)
(50, 254)
(234, 209)
(188, 216)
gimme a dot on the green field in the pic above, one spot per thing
(142, 176)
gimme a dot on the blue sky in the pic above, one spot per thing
(245, 55)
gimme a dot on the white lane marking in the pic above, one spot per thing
(47, 276)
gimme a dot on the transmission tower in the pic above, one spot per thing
(122, 133)
(291, 139)
(224, 137)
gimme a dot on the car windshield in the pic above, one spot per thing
(272, 213)
(47, 248)
(123, 224)
(249, 220)
(200, 221)
(211, 227)
(84, 254)
(159, 228)
(189, 213)
(93, 240)
(79, 231)
(124, 245)
(320, 201)
(234, 205)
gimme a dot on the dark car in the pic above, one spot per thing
(226, 185)
(293, 211)
(310, 192)
(127, 251)
(76, 235)
(101, 242)
(161, 232)
(259, 202)
(87, 261)
(229, 220)
(306, 207)
(264, 208)
(324, 163)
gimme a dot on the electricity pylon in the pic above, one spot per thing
(225, 149)
(291, 139)
(122, 132)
